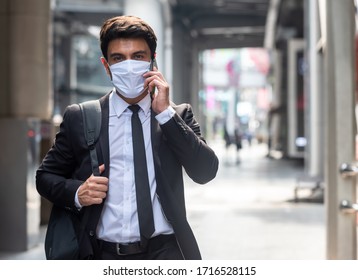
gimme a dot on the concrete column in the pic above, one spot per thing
(4, 58)
(30, 89)
(196, 81)
(25, 99)
(276, 120)
(339, 53)
(313, 80)
(158, 15)
(151, 12)
(180, 63)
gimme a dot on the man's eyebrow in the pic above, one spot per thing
(135, 53)
(115, 54)
(140, 52)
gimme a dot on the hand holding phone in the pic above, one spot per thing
(159, 88)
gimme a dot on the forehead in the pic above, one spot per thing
(121, 45)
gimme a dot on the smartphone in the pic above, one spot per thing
(153, 63)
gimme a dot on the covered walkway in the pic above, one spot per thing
(247, 212)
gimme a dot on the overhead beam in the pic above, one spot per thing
(224, 20)
(217, 42)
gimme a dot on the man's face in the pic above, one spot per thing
(128, 48)
(123, 49)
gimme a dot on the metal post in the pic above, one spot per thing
(340, 128)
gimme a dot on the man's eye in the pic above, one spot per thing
(117, 58)
(138, 57)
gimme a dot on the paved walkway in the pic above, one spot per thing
(247, 213)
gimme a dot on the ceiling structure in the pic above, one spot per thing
(223, 23)
(211, 23)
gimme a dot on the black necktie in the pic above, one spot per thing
(144, 203)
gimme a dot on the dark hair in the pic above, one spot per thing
(127, 27)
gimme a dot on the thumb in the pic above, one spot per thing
(101, 168)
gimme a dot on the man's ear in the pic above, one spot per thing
(106, 66)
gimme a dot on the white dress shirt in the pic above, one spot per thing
(119, 219)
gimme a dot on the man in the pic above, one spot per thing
(172, 140)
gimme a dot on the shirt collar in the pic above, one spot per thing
(118, 105)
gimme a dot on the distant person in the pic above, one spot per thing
(238, 144)
(173, 142)
(248, 136)
(236, 140)
(227, 138)
(274, 110)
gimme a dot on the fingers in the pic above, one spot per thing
(155, 79)
(161, 86)
(150, 76)
(160, 99)
(94, 183)
(93, 190)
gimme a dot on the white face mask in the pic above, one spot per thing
(127, 77)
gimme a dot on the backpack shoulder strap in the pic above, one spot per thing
(92, 119)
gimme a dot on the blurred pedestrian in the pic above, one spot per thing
(227, 138)
(238, 144)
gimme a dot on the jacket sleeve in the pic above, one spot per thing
(54, 177)
(183, 135)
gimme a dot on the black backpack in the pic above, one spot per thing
(92, 119)
(65, 231)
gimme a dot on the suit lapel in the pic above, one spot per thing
(156, 134)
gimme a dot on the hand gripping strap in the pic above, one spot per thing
(92, 119)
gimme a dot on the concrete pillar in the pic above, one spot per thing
(339, 53)
(25, 99)
(196, 82)
(150, 11)
(180, 63)
(4, 58)
(19, 200)
(158, 15)
(314, 96)
(30, 89)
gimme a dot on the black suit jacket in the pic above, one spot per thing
(176, 145)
